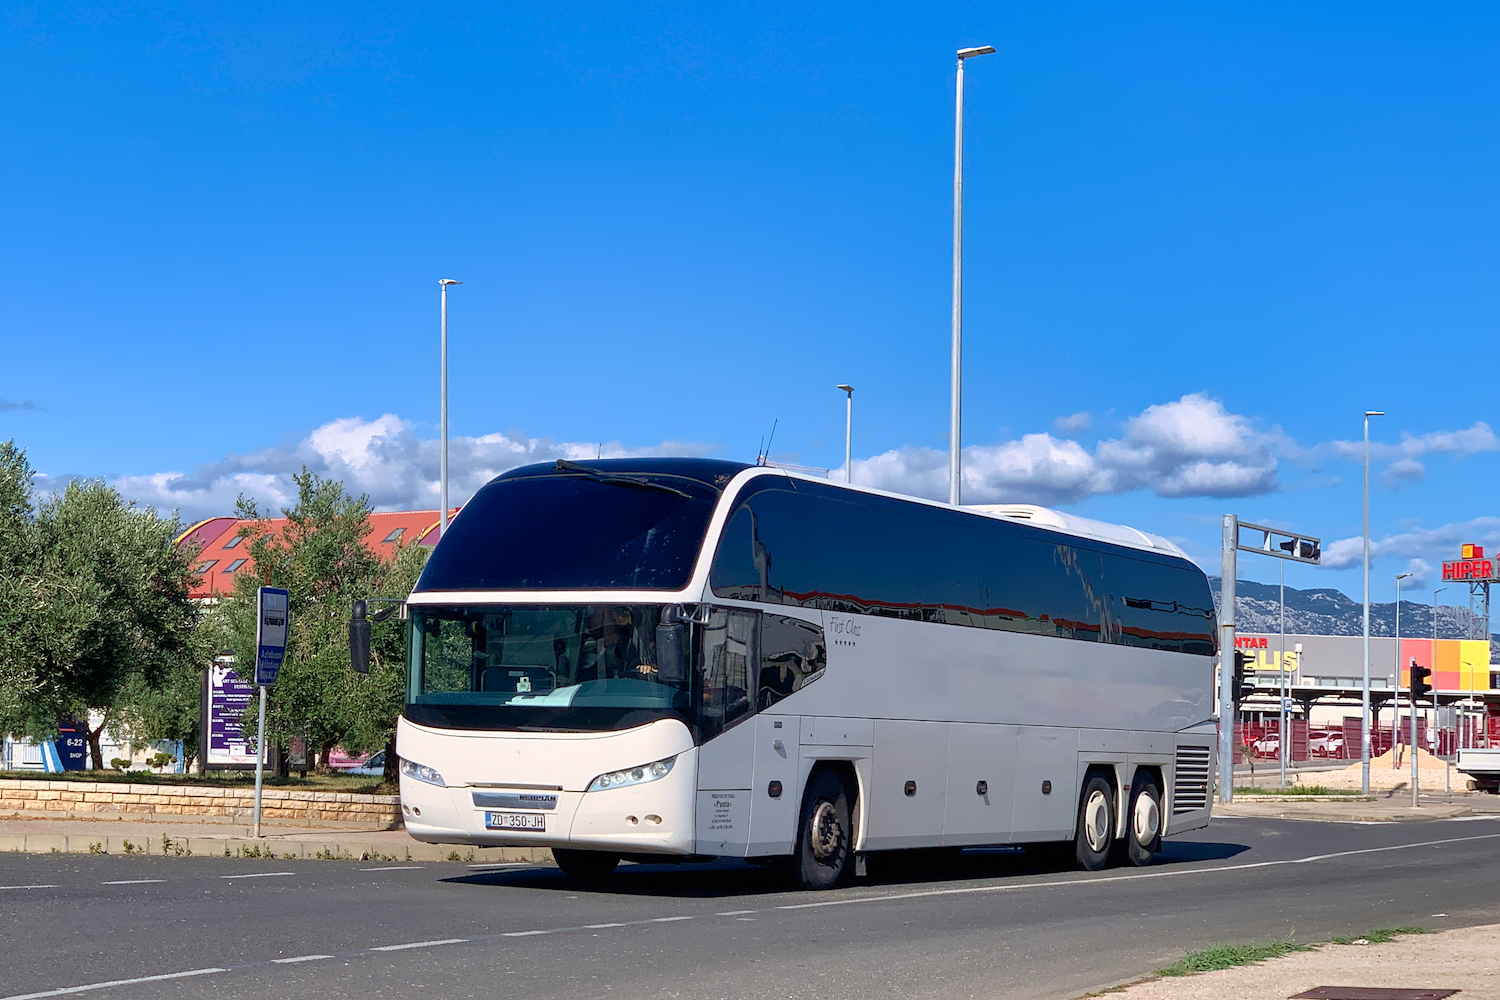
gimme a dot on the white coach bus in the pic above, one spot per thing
(677, 658)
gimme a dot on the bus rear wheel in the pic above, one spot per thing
(585, 866)
(1096, 824)
(823, 835)
(1143, 838)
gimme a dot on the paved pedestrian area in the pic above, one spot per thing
(1467, 960)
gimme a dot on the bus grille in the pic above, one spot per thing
(1190, 784)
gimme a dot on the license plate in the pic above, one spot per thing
(515, 821)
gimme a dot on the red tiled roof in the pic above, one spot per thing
(224, 556)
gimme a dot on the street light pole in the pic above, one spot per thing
(1396, 698)
(1364, 739)
(443, 418)
(848, 433)
(955, 454)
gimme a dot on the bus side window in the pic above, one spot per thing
(792, 653)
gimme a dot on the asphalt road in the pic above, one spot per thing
(995, 925)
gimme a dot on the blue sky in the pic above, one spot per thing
(1200, 242)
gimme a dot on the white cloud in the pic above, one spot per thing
(382, 458)
(1424, 545)
(1081, 421)
(1403, 471)
(1420, 571)
(1190, 447)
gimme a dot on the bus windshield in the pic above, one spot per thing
(544, 667)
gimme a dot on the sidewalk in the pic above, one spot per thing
(1384, 809)
(281, 840)
(1463, 959)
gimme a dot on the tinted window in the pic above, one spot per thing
(728, 655)
(574, 532)
(861, 554)
(769, 548)
(792, 653)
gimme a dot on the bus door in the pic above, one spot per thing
(726, 757)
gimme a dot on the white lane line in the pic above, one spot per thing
(524, 933)
(395, 868)
(505, 864)
(599, 927)
(258, 875)
(965, 890)
(113, 982)
(299, 958)
(734, 913)
(667, 920)
(29, 887)
(133, 881)
(419, 944)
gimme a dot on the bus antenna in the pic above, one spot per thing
(764, 453)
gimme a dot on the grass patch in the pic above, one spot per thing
(1295, 790)
(1227, 956)
(1380, 936)
(315, 781)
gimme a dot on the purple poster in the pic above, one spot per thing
(228, 697)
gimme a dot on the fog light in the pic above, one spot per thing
(653, 819)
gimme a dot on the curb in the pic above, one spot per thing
(1293, 799)
(341, 849)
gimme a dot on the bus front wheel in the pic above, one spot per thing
(823, 835)
(1096, 823)
(586, 866)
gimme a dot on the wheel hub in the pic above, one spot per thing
(824, 833)
(1146, 819)
(1096, 822)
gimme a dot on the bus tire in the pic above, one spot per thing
(585, 866)
(1096, 823)
(1144, 820)
(823, 834)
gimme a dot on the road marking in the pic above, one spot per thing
(505, 864)
(28, 887)
(1057, 883)
(258, 875)
(596, 927)
(419, 944)
(113, 982)
(395, 868)
(667, 920)
(133, 881)
(733, 913)
(524, 933)
(299, 958)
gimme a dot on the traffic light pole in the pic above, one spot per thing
(1227, 695)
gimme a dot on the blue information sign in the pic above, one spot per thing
(273, 609)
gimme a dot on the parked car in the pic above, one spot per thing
(373, 766)
(1268, 745)
(1323, 743)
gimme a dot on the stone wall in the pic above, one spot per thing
(201, 803)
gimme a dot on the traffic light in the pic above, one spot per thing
(1242, 688)
(1419, 685)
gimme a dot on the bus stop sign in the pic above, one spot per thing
(272, 609)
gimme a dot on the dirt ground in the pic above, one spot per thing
(1467, 959)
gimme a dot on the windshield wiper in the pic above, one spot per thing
(615, 479)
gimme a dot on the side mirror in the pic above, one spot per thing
(671, 653)
(359, 639)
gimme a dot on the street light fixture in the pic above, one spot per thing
(1396, 698)
(1364, 739)
(443, 418)
(848, 433)
(955, 437)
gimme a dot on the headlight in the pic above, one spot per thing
(421, 772)
(633, 775)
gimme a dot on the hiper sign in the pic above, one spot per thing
(272, 613)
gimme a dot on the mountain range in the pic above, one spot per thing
(1325, 611)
